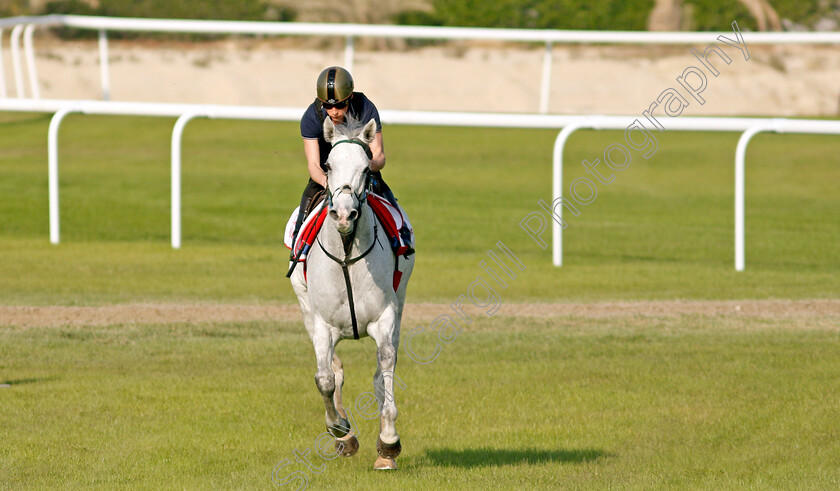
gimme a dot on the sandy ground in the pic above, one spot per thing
(775, 81)
(826, 313)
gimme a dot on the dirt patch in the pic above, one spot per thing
(57, 316)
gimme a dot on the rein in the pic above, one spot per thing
(345, 264)
(347, 261)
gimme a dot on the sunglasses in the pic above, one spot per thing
(337, 105)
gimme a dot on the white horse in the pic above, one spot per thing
(353, 251)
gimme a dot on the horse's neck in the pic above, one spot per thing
(362, 238)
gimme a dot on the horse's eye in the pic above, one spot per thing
(327, 166)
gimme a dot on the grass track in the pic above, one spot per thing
(688, 401)
(662, 230)
(682, 402)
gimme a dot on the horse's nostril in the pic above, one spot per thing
(352, 215)
(333, 215)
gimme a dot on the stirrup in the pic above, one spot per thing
(405, 235)
(292, 252)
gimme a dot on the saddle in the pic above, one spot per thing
(316, 201)
(390, 217)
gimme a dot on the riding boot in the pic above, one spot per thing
(405, 235)
(383, 190)
(311, 190)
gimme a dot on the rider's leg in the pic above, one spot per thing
(381, 188)
(312, 188)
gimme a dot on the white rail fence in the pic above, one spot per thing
(548, 37)
(748, 126)
(567, 123)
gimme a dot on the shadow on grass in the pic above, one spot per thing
(478, 457)
(23, 381)
(25, 119)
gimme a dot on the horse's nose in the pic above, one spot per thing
(352, 215)
(334, 214)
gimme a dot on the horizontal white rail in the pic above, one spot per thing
(429, 32)
(440, 118)
(151, 109)
(40, 20)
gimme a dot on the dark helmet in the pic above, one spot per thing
(334, 85)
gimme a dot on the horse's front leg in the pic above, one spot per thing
(347, 445)
(386, 335)
(325, 377)
(338, 370)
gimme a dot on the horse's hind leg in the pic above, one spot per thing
(347, 445)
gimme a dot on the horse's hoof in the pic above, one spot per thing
(384, 463)
(340, 429)
(388, 450)
(347, 446)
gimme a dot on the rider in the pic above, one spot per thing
(336, 99)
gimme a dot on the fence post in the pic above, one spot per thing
(177, 133)
(349, 54)
(545, 90)
(104, 73)
(30, 61)
(16, 65)
(3, 93)
(52, 158)
(557, 186)
(740, 180)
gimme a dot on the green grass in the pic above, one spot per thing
(663, 229)
(631, 403)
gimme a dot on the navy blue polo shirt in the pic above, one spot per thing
(361, 108)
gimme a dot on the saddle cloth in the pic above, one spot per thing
(392, 220)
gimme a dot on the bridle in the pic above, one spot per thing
(348, 238)
(361, 197)
(357, 142)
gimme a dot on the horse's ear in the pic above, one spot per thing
(369, 131)
(329, 130)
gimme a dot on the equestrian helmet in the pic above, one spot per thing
(334, 85)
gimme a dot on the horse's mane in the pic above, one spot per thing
(349, 128)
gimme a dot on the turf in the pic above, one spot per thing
(685, 402)
(663, 229)
(631, 402)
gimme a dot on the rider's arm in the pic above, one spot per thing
(377, 148)
(313, 161)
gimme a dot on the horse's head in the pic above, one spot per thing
(347, 169)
